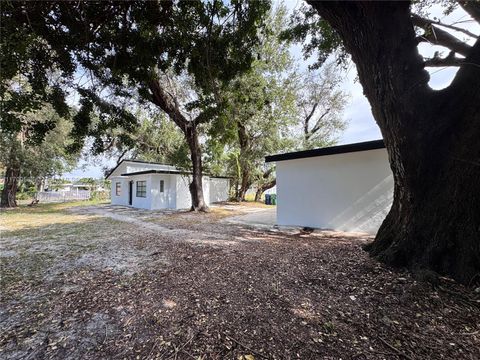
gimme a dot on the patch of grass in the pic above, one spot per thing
(50, 207)
(24, 267)
(218, 213)
(24, 217)
(185, 218)
(250, 204)
(35, 239)
(50, 243)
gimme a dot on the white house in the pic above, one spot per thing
(153, 186)
(346, 187)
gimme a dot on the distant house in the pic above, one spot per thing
(346, 187)
(152, 186)
(63, 187)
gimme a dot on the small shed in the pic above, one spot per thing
(345, 187)
(154, 186)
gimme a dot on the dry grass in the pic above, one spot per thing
(24, 217)
(255, 204)
(188, 217)
(216, 213)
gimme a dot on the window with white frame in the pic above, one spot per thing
(118, 189)
(141, 189)
(162, 186)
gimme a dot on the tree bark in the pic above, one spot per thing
(431, 138)
(189, 129)
(244, 184)
(10, 187)
(196, 186)
(245, 181)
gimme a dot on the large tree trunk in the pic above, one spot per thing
(196, 186)
(245, 180)
(189, 129)
(9, 192)
(245, 183)
(432, 139)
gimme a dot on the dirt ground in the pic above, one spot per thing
(104, 282)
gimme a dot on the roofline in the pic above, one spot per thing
(175, 172)
(332, 150)
(135, 161)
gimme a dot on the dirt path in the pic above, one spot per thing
(135, 217)
(262, 218)
(110, 212)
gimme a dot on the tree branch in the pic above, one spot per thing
(307, 119)
(164, 102)
(268, 185)
(267, 173)
(472, 8)
(468, 76)
(440, 37)
(450, 60)
(201, 118)
(317, 125)
(452, 27)
(119, 159)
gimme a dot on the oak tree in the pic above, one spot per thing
(25, 157)
(431, 135)
(123, 49)
(259, 112)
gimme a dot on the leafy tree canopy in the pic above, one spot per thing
(38, 159)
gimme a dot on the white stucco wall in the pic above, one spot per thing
(176, 193)
(219, 189)
(142, 202)
(165, 200)
(348, 192)
(214, 190)
(183, 199)
(123, 198)
(206, 189)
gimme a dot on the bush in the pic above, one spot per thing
(24, 195)
(100, 195)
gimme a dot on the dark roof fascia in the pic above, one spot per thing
(178, 172)
(333, 150)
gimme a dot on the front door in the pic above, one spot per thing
(130, 192)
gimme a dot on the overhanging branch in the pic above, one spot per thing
(164, 102)
(468, 76)
(441, 62)
(472, 8)
(318, 124)
(450, 60)
(437, 36)
(452, 27)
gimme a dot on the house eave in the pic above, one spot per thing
(333, 150)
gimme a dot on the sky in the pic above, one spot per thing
(361, 124)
